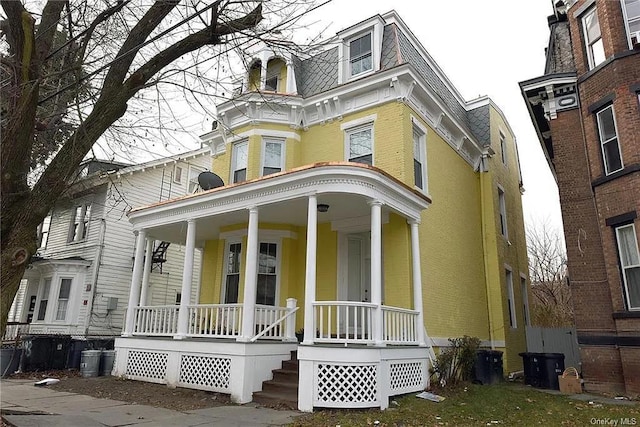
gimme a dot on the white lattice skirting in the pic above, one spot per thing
(223, 366)
(359, 377)
(203, 372)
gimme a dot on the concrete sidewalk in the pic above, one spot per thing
(24, 405)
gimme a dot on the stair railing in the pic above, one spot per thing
(289, 317)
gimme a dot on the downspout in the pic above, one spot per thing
(96, 271)
(483, 220)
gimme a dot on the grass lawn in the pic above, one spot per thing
(475, 405)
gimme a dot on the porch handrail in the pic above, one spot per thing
(289, 313)
(158, 320)
(400, 325)
(215, 320)
(352, 326)
(14, 330)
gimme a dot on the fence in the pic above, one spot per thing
(555, 340)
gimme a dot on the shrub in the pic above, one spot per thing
(455, 363)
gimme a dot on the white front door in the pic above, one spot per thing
(354, 320)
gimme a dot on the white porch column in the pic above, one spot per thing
(187, 278)
(250, 279)
(416, 274)
(134, 290)
(310, 276)
(376, 269)
(147, 272)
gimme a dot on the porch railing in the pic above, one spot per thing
(14, 330)
(343, 321)
(400, 325)
(157, 320)
(215, 320)
(273, 322)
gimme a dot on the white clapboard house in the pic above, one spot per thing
(78, 283)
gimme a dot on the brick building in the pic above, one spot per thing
(585, 109)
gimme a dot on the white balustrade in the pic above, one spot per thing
(215, 320)
(267, 315)
(400, 325)
(343, 321)
(14, 330)
(157, 320)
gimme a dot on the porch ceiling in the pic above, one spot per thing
(282, 199)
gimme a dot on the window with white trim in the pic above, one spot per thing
(273, 155)
(360, 55)
(194, 171)
(81, 215)
(419, 158)
(503, 148)
(608, 134)
(43, 231)
(511, 304)
(502, 204)
(63, 299)
(359, 143)
(44, 299)
(239, 160)
(267, 274)
(631, 11)
(630, 263)
(232, 273)
(592, 38)
(177, 174)
(525, 300)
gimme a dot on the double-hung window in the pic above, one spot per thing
(194, 172)
(273, 155)
(511, 299)
(44, 299)
(232, 279)
(63, 299)
(239, 160)
(79, 223)
(419, 158)
(43, 231)
(630, 263)
(267, 274)
(360, 58)
(502, 205)
(593, 38)
(609, 140)
(631, 10)
(503, 148)
(360, 144)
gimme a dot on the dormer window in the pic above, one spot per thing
(360, 58)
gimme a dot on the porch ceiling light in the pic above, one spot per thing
(322, 207)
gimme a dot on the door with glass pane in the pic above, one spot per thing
(355, 320)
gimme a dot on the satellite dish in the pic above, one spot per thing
(208, 180)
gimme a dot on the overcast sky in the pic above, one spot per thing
(485, 47)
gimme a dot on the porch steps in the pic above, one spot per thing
(282, 390)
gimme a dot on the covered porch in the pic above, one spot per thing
(237, 342)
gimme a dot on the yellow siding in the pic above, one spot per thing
(462, 257)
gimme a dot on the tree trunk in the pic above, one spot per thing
(17, 247)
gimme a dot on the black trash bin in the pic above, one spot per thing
(75, 351)
(45, 352)
(481, 368)
(531, 373)
(552, 366)
(488, 367)
(496, 372)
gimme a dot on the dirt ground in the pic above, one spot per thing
(158, 395)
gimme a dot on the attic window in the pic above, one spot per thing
(360, 55)
(631, 10)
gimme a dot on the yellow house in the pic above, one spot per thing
(357, 199)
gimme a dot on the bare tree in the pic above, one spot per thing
(70, 71)
(551, 296)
